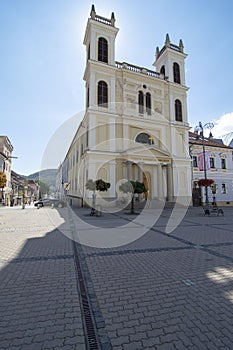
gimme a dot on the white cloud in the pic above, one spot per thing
(223, 125)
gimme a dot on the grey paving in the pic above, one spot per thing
(39, 301)
(161, 291)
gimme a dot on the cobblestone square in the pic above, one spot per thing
(161, 291)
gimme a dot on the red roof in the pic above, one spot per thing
(207, 141)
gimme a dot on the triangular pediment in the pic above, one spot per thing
(146, 151)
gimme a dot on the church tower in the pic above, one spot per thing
(170, 62)
(99, 74)
(100, 83)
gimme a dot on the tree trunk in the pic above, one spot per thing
(132, 205)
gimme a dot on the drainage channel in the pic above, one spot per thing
(90, 331)
(96, 337)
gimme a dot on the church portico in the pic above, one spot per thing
(155, 176)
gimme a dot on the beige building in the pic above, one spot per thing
(6, 150)
(135, 125)
(219, 168)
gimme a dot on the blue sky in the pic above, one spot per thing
(43, 58)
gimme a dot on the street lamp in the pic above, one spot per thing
(200, 128)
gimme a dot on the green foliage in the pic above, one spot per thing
(102, 186)
(2, 179)
(98, 185)
(44, 188)
(133, 187)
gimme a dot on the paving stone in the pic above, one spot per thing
(133, 346)
(161, 291)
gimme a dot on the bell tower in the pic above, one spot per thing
(170, 61)
(99, 73)
(100, 38)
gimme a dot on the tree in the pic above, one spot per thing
(2, 181)
(133, 187)
(97, 185)
(44, 188)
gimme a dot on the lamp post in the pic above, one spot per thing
(200, 128)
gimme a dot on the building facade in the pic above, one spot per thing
(6, 150)
(219, 168)
(24, 191)
(135, 125)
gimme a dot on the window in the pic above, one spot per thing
(102, 94)
(223, 189)
(103, 50)
(176, 73)
(162, 70)
(140, 102)
(223, 163)
(148, 103)
(88, 52)
(212, 163)
(145, 138)
(178, 111)
(195, 165)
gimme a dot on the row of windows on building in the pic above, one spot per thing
(144, 101)
(103, 57)
(212, 162)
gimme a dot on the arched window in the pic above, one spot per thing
(178, 111)
(145, 138)
(140, 102)
(148, 103)
(176, 73)
(162, 70)
(102, 94)
(103, 50)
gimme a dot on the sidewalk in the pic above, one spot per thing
(39, 302)
(164, 290)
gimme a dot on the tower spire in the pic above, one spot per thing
(181, 45)
(93, 13)
(113, 19)
(167, 41)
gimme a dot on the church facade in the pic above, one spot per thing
(135, 125)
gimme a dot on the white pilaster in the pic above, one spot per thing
(92, 131)
(93, 49)
(112, 101)
(112, 175)
(129, 166)
(160, 181)
(92, 91)
(164, 177)
(169, 183)
(112, 135)
(125, 135)
(154, 182)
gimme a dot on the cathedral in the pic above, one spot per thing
(135, 125)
